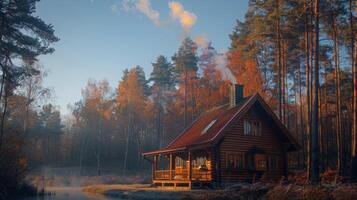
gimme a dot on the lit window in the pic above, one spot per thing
(208, 127)
(179, 162)
(252, 128)
(260, 162)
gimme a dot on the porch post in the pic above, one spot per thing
(285, 158)
(170, 167)
(189, 166)
(154, 167)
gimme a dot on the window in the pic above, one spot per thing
(208, 127)
(199, 162)
(179, 162)
(260, 162)
(273, 162)
(252, 128)
(234, 161)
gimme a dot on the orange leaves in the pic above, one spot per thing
(96, 97)
(131, 93)
(246, 72)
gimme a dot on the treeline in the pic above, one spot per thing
(113, 126)
(300, 55)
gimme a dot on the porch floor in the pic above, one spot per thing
(179, 184)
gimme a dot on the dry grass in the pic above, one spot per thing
(237, 192)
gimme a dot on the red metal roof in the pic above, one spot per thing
(194, 135)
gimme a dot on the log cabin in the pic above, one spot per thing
(241, 141)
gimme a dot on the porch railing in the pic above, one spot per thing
(182, 174)
(162, 174)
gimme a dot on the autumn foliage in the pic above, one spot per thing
(247, 73)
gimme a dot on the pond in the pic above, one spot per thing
(72, 193)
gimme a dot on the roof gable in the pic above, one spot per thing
(284, 132)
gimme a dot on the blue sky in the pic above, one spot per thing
(100, 38)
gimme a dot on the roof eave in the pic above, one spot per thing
(163, 151)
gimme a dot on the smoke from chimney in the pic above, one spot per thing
(220, 60)
(222, 66)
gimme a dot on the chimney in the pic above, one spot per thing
(236, 94)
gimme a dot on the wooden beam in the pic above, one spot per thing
(285, 159)
(170, 167)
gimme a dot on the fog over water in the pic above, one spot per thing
(72, 193)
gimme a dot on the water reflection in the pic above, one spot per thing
(72, 193)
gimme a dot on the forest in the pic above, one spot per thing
(300, 55)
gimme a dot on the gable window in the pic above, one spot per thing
(234, 161)
(252, 128)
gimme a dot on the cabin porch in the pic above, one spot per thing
(182, 169)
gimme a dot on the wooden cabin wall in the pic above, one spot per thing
(235, 141)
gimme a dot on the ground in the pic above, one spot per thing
(139, 191)
(236, 192)
(138, 187)
(146, 192)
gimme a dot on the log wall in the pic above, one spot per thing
(234, 141)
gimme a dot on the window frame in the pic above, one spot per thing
(252, 127)
(238, 161)
(274, 159)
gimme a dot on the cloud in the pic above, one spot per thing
(177, 12)
(144, 6)
(186, 18)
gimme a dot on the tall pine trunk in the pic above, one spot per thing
(125, 163)
(284, 90)
(308, 90)
(354, 121)
(301, 120)
(338, 96)
(1, 91)
(278, 40)
(321, 150)
(315, 171)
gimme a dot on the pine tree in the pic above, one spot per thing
(315, 173)
(185, 63)
(24, 36)
(163, 83)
